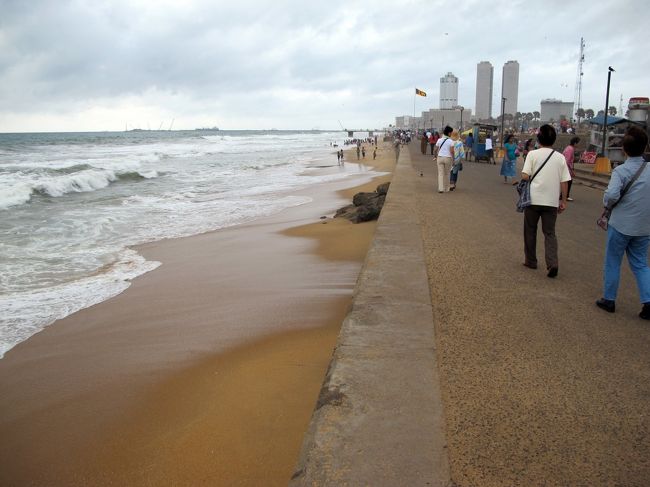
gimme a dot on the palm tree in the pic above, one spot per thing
(536, 115)
(589, 113)
(612, 111)
(580, 114)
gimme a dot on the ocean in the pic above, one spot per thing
(73, 204)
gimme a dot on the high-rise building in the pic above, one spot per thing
(510, 86)
(484, 83)
(553, 110)
(448, 91)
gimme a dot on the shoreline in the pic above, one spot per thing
(106, 369)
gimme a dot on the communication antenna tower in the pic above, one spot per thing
(620, 107)
(577, 97)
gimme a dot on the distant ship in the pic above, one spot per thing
(214, 129)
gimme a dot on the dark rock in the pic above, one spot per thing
(363, 199)
(365, 207)
(348, 212)
(383, 188)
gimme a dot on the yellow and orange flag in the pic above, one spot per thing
(420, 92)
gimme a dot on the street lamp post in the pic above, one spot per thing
(503, 116)
(609, 78)
(461, 108)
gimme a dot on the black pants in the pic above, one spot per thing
(548, 215)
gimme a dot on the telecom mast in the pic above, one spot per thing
(620, 107)
(577, 97)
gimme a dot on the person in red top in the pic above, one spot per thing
(569, 155)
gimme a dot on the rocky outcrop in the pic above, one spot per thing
(365, 206)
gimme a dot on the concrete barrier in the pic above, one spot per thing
(379, 418)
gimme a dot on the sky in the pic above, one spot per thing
(92, 65)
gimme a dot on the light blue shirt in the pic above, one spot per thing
(632, 215)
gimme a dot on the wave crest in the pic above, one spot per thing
(78, 182)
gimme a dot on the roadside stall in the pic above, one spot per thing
(479, 133)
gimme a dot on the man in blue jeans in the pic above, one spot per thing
(629, 225)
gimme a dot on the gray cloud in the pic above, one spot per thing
(291, 64)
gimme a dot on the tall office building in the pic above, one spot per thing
(484, 83)
(510, 86)
(448, 91)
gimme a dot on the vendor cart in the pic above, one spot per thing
(480, 132)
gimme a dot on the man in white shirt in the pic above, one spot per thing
(445, 158)
(548, 196)
(489, 150)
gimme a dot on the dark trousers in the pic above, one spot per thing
(568, 191)
(548, 214)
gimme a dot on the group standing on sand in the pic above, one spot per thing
(339, 156)
(550, 174)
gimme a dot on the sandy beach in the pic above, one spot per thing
(205, 371)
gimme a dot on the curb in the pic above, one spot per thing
(379, 418)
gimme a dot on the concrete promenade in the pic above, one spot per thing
(490, 374)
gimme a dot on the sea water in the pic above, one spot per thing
(72, 204)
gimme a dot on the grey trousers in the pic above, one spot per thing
(548, 214)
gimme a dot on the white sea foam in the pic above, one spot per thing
(26, 313)
(15, 195)
(77, 182)
(70, 209)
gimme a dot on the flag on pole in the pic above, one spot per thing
(420, 92)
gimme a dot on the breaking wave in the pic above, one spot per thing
(78, 182)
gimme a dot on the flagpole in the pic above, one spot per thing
(414, 95)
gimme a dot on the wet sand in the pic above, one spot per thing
(204, 372)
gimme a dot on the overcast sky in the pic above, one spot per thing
(101, 64)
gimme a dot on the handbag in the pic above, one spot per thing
(523, 188)
(603, 221)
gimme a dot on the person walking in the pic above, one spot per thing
(628, 231)
(548, 198)
(457, 154)
(569, 156)
(527, 148)
(469, 145)
(423, 143)
(509, 163)
(444, 159)
(489, 149)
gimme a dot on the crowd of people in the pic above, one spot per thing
(550, 174)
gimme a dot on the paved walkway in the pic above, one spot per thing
(538, 386)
